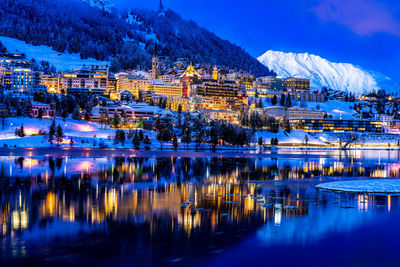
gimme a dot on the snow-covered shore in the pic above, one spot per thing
(387, 186)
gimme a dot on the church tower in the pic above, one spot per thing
(215, 73)
(155, 63)
(161, 8)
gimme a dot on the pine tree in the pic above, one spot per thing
(179, 109)
(260, 142)
(147, 142)
(20, 132)
(136, 141)
(141, 137)
(306, 140)
(40, 113)
(59, 135)
(122, 137)
(76, 114)
(274, 100)
(52, 132)
(283, 100)
(117, 137)
(186, 138)
(116, 120)
(286, 125)
(175, 142)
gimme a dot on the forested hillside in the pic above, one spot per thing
(125, 39)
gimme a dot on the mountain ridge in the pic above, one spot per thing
(324, 73)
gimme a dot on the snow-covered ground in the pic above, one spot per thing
(295, 137)
(364, 186)
(338, 109)
(62, 61)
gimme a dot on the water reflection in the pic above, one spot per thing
(176, 208)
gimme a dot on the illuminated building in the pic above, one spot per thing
(212, 103)
(160, 88)
(215, 73)
(277, 112)
(89, 79)
(338, 126)
(221, 115)
(307, 97)
(297, 84)
(53, 83)
(23, 79)
(242, 79)
(10, 60)
(173, 102)
(47, 111)
(216, 88)
(132, 83)
(271, 84)
(188, 79)
(385, 119)
(132, 113)
(296, 113)
(268, 85)
(113, 88)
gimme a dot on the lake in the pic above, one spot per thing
(124, 207)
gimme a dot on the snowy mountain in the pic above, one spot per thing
(323, 73)
(102, 4)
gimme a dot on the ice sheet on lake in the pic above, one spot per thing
(386, 186)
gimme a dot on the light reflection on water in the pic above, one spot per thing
(181, 209)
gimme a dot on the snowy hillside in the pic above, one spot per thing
(321, 72)
(62, 61)
(102, 4)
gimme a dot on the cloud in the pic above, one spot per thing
(363, 17)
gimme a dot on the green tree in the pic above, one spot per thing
(139, 124)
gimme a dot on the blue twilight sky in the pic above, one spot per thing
(362, 32)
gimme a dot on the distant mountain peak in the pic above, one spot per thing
(323, 73)
(102, 4)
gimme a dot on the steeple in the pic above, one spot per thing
(155, 47)
(161, 7)
(155, 63)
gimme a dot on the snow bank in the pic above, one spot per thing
(364, 186)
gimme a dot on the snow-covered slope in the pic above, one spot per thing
(62, 61)
(321, 72)
(102, 4)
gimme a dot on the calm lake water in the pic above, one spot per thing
(126, 208)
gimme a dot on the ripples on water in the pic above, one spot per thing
(189, 208)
